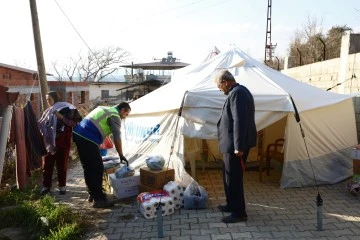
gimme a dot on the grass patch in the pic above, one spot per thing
(11, 195)
(41, 217)
(44, 219)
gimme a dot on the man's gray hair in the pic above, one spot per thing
(224, 75)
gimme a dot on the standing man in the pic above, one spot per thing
(88, 135)
(237, 135)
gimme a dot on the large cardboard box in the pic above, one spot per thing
(124, 187)
(156, 178)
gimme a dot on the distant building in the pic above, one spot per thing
(142, 78)
(104, 91)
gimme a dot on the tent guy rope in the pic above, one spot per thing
(319, 201)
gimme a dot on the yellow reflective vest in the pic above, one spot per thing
(99, 117)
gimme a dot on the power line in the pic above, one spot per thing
(78, 33)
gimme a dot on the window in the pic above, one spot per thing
(81, 97)
(104, 94)
(6, 76)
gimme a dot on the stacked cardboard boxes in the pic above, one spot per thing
(151, 180)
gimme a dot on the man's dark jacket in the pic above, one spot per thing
(236, 126)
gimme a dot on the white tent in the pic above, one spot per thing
(327, 119)
(213, 52)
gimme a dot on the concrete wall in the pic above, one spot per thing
(325, 74)
(321, 74)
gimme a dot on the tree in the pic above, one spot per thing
(276, 63)
(67, 71)
(101, 63)
(311, 44)
(333, 43)
(98, 64)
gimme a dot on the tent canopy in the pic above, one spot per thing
(271, 89)
(193, 90)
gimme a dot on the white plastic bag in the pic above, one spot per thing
(155, 162)
(195, 196)
(124, 171)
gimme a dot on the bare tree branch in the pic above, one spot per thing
(97, 65)
(59, 73)
(102, 63)
(307, 42)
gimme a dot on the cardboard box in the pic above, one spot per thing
(356, 166)
(125, 191)
(124, 187)
(355, 153)
(144, 188)
(124, 182)
(156, 178)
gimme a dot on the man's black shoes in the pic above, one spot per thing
(224, 208)
(232, 219)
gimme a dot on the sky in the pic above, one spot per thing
(148, 29)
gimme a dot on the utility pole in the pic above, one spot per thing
(269, 47)
(39, 54)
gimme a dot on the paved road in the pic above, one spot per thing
(273, 213)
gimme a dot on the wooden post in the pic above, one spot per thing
(39, 54)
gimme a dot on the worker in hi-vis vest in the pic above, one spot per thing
(88, 135)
